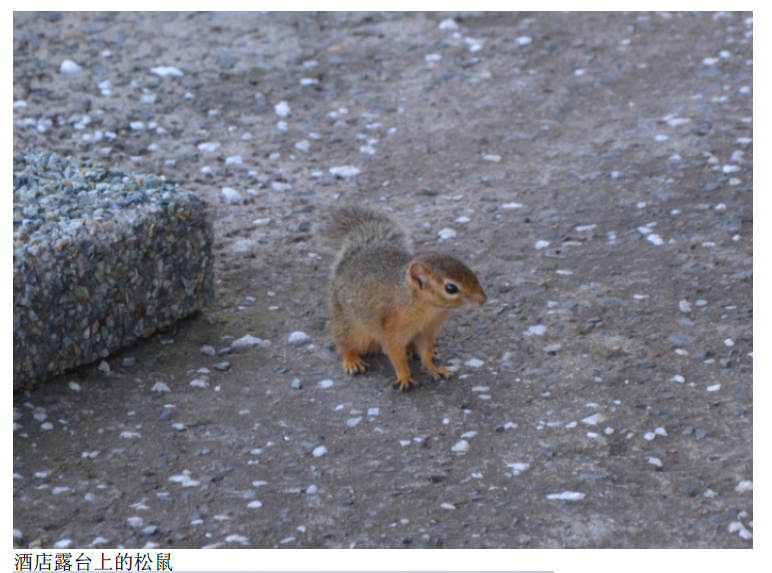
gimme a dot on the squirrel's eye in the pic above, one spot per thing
(450, 288)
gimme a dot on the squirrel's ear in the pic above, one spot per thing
(419, 274)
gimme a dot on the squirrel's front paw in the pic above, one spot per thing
(438, 372)
(404, 384)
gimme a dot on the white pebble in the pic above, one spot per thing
(282, 109)
(492, 158)
(69, 67)
(433, 57)
(448, 24)
(678, 378)
(308, 81)
(160, 387)
(208, 146)
(730, 168)
(511, 206)
(740, 529)
(103, 366)
(564, 272)
(135, 521)
(523, 40)
(448, 506)
(541, 244)
(246, 342)
(325, 383)
(593, 419)
(729, 342)
(255, 504)
(184, 479)
(744, 486)
(656, 462)
(518, 467)
(536, 330)
(661, 137)
(446, 233)
(460, 447)
(167, 71)
(566, 496)
(649, 436)
(74, 386)
(351, 422)
(344, 171)
(298, 337)
(63, 544)
(373, 411)
(474, 363)
(302, 145)
(685, 306)
(234, 160)
(198, 383)
(231, 196)
(655, 239)
(583, 228)
(319, 451)
(714, 388)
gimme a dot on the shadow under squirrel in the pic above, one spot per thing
(385, 298)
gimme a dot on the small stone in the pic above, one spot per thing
(299, 338)
(69, 67)
(319, 451)
(103, 366)
(685, 306)
(282, 109)
(296, 384)
(325, 384)
(207, 350)
(208, 146)
(128, 362)
(446, 233)
(566, 496)
(231, 196)
(744, 486)
(245, 342)
(167, 71)
(460, 447)
(344, 171)
(222, 366)
(474, 363)
(160, 387)
(448, 24)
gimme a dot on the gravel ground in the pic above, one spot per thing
(596, 170)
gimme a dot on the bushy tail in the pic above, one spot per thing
(360, 226)
(352, 228)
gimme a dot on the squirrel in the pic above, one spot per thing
(383, 297)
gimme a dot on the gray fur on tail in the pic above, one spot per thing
(353, 228)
